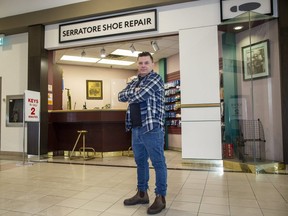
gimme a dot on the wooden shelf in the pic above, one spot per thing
(173, 129)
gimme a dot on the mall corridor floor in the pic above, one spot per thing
(56, 189)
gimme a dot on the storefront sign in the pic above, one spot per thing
(233, 8)
(32, 106)
(116, 25)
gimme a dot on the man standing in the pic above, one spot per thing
(145, 117)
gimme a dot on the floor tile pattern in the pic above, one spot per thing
(58, 189)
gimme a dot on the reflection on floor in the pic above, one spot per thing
(174, 161)
(59, 188)
(173, 158)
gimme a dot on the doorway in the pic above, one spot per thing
(167, 48)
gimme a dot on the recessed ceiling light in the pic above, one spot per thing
(123, 52)
(79, 59)
(238, 27)
(115, 62)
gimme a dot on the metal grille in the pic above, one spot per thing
(251, 141)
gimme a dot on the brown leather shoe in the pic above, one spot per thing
(158, 205)
(139, 198)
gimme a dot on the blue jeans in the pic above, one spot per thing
(147, 145)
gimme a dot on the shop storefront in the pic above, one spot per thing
(195, 38)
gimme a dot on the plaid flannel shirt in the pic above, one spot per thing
(151, 98)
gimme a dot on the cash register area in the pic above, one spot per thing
(62, 186)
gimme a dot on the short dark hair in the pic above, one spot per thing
(142, 54)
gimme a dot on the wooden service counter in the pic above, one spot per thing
(106, 130)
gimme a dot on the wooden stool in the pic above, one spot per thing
(129, 150)
(83, 148)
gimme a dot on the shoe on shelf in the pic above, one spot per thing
(158, 205)
(141, 197)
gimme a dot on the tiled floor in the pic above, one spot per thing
(56, 189)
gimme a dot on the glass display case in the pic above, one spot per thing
(249, 52)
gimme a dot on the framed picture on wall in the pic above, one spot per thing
(255, 59)
(94, 90)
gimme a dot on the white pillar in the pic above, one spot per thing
(199, 72)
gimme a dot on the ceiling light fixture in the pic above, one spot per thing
(155, 46)
(103, 53)
(79, 59)
(238, 27)
(122, 52)
(83, 53)
(132, 48)
(115, 62)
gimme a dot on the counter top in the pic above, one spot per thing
(84, 110)
(93, 115)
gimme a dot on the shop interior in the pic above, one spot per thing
(110, 63)
(76, 72)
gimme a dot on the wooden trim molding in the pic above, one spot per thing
(200, 105)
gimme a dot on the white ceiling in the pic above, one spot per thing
(169, 46)
(15, 7)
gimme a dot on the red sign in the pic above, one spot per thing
(228, 150)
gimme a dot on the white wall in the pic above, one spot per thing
(173, 63)
(14, 64)
(75, 79)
